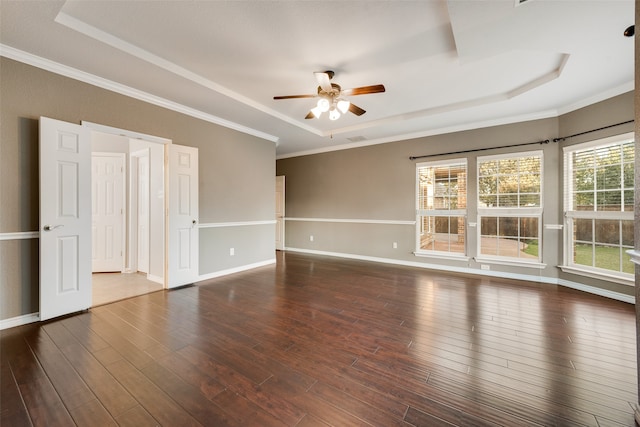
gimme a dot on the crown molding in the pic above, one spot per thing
(73, 73)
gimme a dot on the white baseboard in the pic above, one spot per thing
(597, 291)
(236, 269)
(530, 278)
(19, 320)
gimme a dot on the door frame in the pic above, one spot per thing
(134, 200)
(96, 127)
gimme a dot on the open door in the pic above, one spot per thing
(65, 218)
(182, 221)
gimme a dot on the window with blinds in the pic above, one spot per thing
(510, 206)
(599, 196)
(441, 207)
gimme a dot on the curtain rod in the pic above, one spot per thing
(545, 141)
(564, 138)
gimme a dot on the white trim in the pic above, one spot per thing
(171, 67)
(553, 226)
(73, 73)
(19, 321)
(597, 291)
(635, 256)
(615, 215)
(601, 96)
(510, 262)
(597, 275)
(235, 224)
(353, 221)
(449, 256)
(431, 132)
(513, 155)
(235, 269)
(125, 133)
(600, 143)
(446, 162)
(526, 277)
(20, 235)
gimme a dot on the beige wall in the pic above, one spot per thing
(378, 183)
(237, 173)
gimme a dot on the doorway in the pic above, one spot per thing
(127, 272)
(65, 213)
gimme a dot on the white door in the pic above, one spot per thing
(182, 221)
(279, 213)
(65, 218)
(107, 212)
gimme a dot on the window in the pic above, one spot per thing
(510, 206)
(441, 207)
(599, 197)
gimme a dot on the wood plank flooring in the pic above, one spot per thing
(319, 341)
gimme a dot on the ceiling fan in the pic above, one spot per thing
(332, 97)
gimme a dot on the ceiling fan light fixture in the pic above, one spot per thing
(334, 114)
(343, 105)
(323, 105)
(317, 112)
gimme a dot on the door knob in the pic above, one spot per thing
(52, 227)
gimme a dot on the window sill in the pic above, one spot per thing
(511, 262)
(442, 255)
(597, 275)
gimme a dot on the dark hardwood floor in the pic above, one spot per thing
(318, 341)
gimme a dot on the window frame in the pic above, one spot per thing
(460, 213)
(570, 215)
(510, 212)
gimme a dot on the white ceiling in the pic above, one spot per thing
(446, 65)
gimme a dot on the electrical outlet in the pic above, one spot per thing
(232, 251)
(485, 267)
(395, 245)
(311, 238)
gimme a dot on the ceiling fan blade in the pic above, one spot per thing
(310, 115)
(356, 110)
(364, 90)
(324, 80)
(294, 96)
